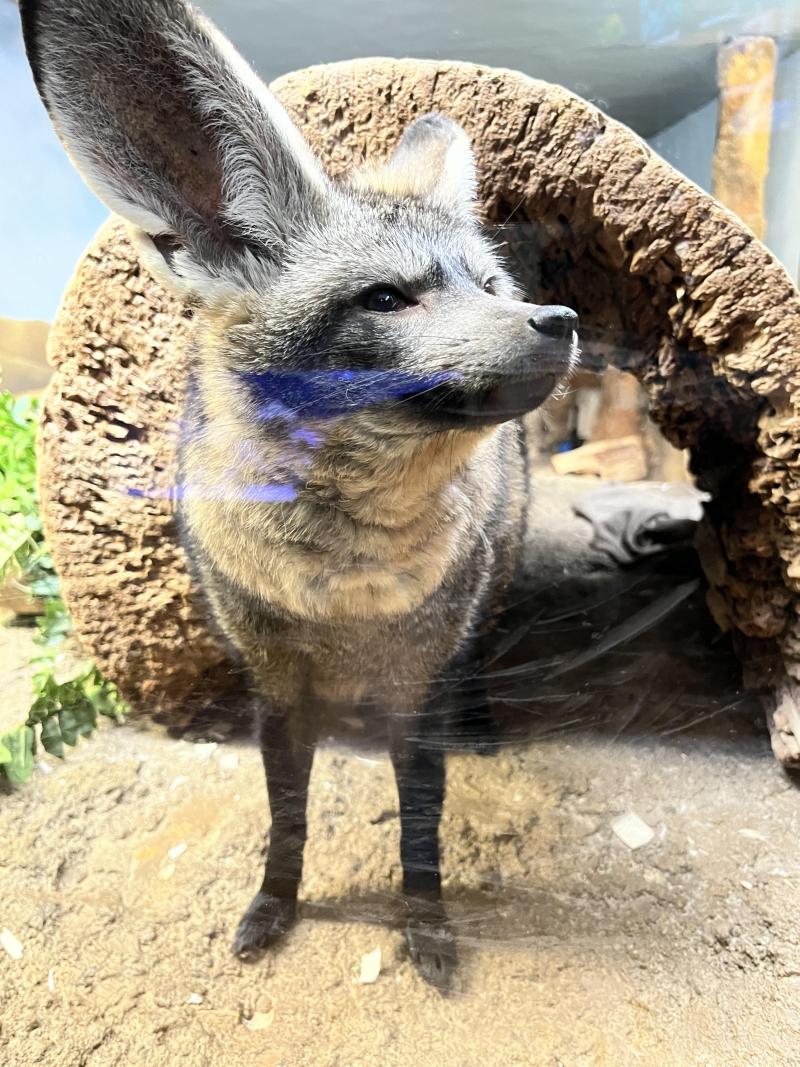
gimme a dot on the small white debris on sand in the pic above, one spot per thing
(10, 944)
(753, 835)
(204, 749)
(51, 981)
(194, 998)
(177, 850)
(178, 781)
(632, 831)
(370, 761)
(370, 967)
(166, 872)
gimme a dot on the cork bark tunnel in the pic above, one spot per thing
(669, 286)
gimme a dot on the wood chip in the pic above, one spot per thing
(623, 459)
(752, 835)
(632, 831)
(10, 944)
(370, 967)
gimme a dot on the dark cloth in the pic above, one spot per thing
(632, 521)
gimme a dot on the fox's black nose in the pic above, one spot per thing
(554, 320)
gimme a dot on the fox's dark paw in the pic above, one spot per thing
(265, 922)
(432, 947)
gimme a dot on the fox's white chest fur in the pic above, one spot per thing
(366, 540)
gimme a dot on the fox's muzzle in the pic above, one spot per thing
(543, 351)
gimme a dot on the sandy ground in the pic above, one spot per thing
(125, 868)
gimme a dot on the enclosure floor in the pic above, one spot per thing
(574, 950)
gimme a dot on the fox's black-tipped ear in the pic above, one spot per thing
(173, 131)
(432, 160)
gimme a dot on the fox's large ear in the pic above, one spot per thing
(433, 160)
(173, 131)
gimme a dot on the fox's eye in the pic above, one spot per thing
(489, 286)
(383, 300)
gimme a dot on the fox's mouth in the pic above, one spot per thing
(513, 397)
(509, 398)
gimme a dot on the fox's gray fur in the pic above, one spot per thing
(352, 469)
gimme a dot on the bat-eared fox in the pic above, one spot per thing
(352, 464)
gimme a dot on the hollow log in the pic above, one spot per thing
(669, 286)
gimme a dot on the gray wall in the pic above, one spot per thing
(783, 181)
(645, 62)
(689, 144)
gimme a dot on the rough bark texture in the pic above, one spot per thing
(669, 285)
